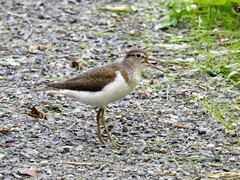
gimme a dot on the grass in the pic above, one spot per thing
(221, 63)
(214, 36)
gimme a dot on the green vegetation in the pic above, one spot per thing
(215, 34)
(224, 114)
(207, 14)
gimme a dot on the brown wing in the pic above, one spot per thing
(93, 80)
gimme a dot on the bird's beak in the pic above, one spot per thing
(152, 66)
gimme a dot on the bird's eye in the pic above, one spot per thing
(139, 55)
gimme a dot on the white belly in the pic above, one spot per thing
(114, 91)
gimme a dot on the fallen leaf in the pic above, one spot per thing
(148, 94)
(114, 9)
(181, 126)
(222, 52)
(6, 130)
(35, 49)
(169, 173)
(23, 15)
(238, 100)
(152, 81)
(225, 174)
(236, 108)
(9, 61)
(3, 145)
(162, 150)
(36, 113)
(133, 33)
(32, 49)
(79, 64)
(79, 163)
(45, 47)
(31, 171)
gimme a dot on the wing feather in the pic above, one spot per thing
(93, 80)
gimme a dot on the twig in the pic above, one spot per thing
(79, 164)
(31, 29)
(168, 96)
(100, 168)
(6, 130)
(24, 17)
(103, 166)
(173, 156)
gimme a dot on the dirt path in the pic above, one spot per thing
(163, 126)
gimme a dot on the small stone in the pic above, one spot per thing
(44, 162)
(202, 131)
(64, 149)
(210, 145)
(2, 156)
(200, 57)
(48, 171)
(79, 148)
(118, 116)
(124, 129)
(232, 159)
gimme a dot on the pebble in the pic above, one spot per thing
(63, 149)
(124, 129)
(210, 145)
(232, 159)
(44, 162)
(2, 156)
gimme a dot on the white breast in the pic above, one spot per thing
(114, 91)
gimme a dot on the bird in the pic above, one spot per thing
(105, 84)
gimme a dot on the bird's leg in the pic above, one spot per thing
(114, 143)
(98, 126)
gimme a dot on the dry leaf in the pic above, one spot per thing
(223, 52)
(148, 94)
(32, 49)
(31, 171)
(115, 9)
(45, 47)
(236, 108)
(3, 145)
(23, 15)
(162, 150)
(238, 100)
(37, 114)
(152, 81)
(78, 64)
(6, 130)
(169, 173)
(79, 164)
(35, 49)
(134, 33)
(225, 174)
(181, 126)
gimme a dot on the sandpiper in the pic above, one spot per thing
(105, 84)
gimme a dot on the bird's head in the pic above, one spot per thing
(139, 59)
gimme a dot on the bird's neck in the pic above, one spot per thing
(131, 75)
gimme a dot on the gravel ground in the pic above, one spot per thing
(164, 128)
